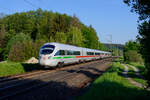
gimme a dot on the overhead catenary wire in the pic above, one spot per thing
(31, 4)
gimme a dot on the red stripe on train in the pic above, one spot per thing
(85, 56)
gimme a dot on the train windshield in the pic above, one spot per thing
(46, 51)
(48, 46)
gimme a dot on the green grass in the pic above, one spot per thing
(141, 67)
(142, 81)
(13, 68)
(131, 72)
(112, 86)
(119, 59)
(117, 67)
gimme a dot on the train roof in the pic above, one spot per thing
(71, 47)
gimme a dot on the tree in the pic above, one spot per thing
(132, 47)
(22, 51)
(75, 37)
(75, 22)
(101, 46)
(19, 38)
(91, 38)
(142, 7)
(2, 36)
(133, 56)
(60, 37)
(2, 40)
(16, 52)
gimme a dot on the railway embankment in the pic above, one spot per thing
(116, 85)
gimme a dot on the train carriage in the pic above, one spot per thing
(57, 54)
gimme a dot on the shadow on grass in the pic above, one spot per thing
(31, 67)
(109, 90)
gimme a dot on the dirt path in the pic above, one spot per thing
(137, 72)
(125, 73)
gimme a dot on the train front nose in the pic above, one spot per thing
(43, 60)
(47, 61)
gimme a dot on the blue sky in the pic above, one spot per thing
(108, 17)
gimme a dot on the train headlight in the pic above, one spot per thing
(49, 57)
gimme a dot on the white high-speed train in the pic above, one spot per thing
(57, 54)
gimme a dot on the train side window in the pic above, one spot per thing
(60, 52)
(69, 52)
(97, 53)
(90, 53)
(76, 53)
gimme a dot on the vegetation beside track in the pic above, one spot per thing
(111, 85)
(142, 71)
(141, 67)
(13, 68)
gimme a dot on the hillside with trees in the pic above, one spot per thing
(22, 34)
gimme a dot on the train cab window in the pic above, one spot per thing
(46, 51)
(76, 53)
(48, 46)
(60, 52)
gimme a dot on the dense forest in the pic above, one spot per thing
(22, 34)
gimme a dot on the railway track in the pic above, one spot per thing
(31, 74)
(20, 84)
(3, 79)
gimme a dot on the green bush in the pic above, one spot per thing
(23, 51)
(133, 56)
(19, 38)
(12, 68)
